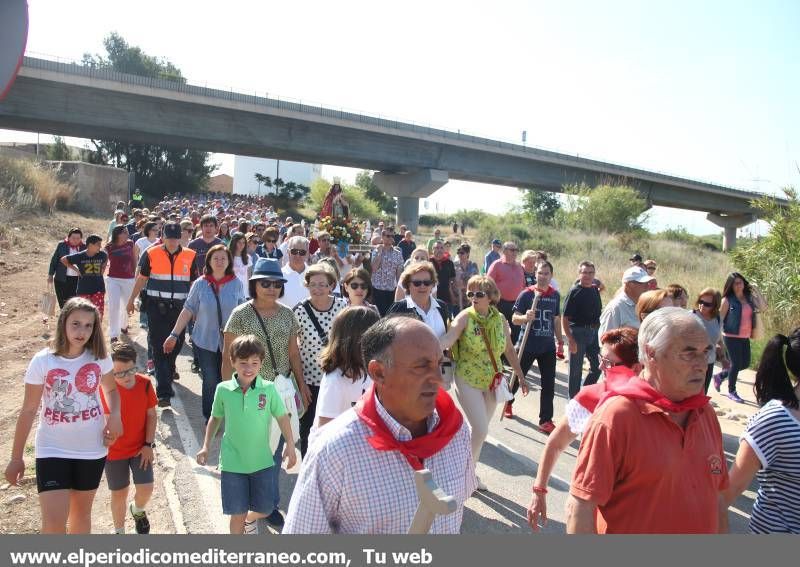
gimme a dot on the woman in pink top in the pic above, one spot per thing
(739, 306)
(122, 260)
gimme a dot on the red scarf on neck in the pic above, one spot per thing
(420, 448)
(639, 389)
(217, 284)
(589, 396)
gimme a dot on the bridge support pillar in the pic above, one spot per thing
(730, 223)
(409, 188)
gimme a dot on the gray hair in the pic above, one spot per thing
(660, 326)
(296, 241)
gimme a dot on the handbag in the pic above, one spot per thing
(47, 304)
(295, 407)
(499, 384)
(287, 392)
(448, 368)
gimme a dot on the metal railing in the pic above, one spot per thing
(71, 66)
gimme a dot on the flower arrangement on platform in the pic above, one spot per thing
(341, 230)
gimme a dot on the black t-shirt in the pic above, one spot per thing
(445, 272)
(90, 270)
(407, 247)
(583, 306)
(201, 248)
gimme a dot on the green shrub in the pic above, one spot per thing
(605, 209)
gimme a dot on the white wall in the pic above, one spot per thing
(245, 168)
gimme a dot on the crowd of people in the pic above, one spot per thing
(357, 358)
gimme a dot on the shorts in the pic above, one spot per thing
(246, 492)
(117, 473)
(55, 473)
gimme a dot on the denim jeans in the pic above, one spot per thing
(588, 346)
(210, 364)
(739, 353)
(274, 473)
(161, 324)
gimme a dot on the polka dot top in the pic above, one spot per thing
(310, 341)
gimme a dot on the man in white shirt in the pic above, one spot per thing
(358, 476)
(621, 311)
(294, 271)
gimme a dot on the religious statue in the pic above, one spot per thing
(335, 205)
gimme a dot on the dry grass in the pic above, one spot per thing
(27, 186)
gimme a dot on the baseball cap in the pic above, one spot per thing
(172, 230)
(636, 274)
(496, 242)
(636, 258)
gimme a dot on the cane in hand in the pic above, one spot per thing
(522, 344)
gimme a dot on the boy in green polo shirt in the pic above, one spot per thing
(247, 403)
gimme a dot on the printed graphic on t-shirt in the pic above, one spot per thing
(68, 403)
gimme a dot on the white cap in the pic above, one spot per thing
(636, 274)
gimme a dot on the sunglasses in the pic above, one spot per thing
(355, 286)
(704, 303)
(296, 252)
(419, 283)
(266, 284)
(124, 373)
(478, 294)
(270, 241)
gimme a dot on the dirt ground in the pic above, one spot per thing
(24, 260)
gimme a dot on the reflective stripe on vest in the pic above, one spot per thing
(169, 279)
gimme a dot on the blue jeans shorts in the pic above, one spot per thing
(246, 492)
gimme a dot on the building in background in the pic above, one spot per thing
(222, 183)
(245, 169)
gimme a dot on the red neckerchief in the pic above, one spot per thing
(217, 284)
(589, 396)
(69, 246)
(546, 293)
(641, 390)
(420, 448)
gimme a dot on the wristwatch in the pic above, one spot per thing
(151, 444)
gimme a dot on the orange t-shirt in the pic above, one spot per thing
(647, 474)
(134, 404)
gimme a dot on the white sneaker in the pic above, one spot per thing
(251, 528)
(481, 485)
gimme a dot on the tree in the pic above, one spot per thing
(772, 262)
(159, 169)
(386, 202)
(263, 180)
(540, 206)
(606, 208)
(58, 150)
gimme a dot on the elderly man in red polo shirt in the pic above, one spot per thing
(509, 275)
(651, 459)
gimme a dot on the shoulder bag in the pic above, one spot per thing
(219, 316)
(287, 389)
(499, 384)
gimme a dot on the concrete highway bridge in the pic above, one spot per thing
(412, 161)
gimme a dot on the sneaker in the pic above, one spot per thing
(251, 528)
(176, 376)
(547, 427)
(195, 368)
(481, 485)
(113, 340)
(151, 367)
(164, 403)
(124, 330)
(508, 410)
(718, 378)
(275, 519)
(735, 397)
(142, 523)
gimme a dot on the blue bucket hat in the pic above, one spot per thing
(267, 268)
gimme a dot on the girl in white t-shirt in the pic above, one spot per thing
(345, 378)
(62, 383)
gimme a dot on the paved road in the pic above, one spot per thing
(507, 465)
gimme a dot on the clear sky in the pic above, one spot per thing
(702, 89)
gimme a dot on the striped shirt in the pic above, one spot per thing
(774, 435)
(346, 486)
